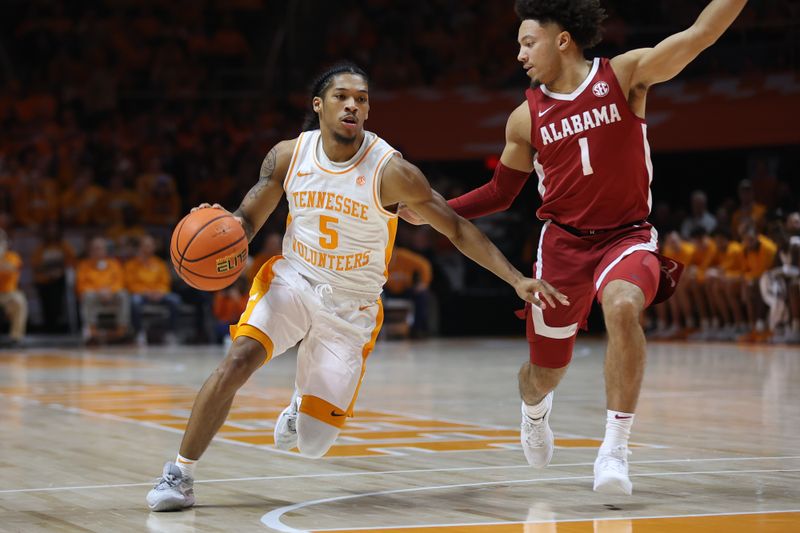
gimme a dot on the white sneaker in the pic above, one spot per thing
(172, 491)
(286, 426)
(611, 471)
(537, 437)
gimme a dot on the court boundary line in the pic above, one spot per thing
(272, 519)
(566, 520)
(391, 472)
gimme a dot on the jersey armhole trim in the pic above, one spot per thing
(376, 182)
(292, 163)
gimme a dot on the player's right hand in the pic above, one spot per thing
(409, 215)
(206, 205)
(527, 288)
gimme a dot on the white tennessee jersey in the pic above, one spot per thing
(338, 232)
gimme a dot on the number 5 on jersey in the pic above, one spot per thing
(329, 239)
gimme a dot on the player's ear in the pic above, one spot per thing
(316, 104)
(563, 39)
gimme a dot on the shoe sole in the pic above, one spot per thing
(614, 485)
(171, 504)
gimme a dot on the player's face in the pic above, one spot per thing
(344, 107)
(538, 51)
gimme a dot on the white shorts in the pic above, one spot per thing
(336, 332)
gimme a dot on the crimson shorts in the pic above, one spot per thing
(581, 267)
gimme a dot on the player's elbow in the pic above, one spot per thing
(703, 36)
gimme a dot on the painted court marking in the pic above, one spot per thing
(392, 472)
(273, 518)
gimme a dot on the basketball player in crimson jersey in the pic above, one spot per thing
(582, 130)
(342, 184)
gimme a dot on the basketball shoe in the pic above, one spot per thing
(172, 491)
(537, 437)
(611, 471)
(286, 425)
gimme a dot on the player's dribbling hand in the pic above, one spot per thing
(410, 216)
(527, 288)
(206, 205)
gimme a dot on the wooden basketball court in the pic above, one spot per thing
(433, 448)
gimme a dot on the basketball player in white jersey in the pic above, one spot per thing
(341, 183)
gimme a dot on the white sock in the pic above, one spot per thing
(618, 430)
(535, 412)
(186, 465)
(760, 326)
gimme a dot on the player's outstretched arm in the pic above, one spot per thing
(516, 163)
(403, 182)
(263, 197)
(647, 66)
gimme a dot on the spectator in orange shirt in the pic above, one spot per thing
(161, 205)
(706, 256)
(748, 209)
(36, 199)
(759, 257)
(679, 306)
(12, 300)
(51, 260)
(148, 282)
(101, 285)
(725, 285)
(82, 203)
(410, 276)
(229, 304)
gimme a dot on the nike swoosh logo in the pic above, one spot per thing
(541, 113)
(253, 298)
(364, 307)
(335, 413)
(301, 174)
(622, 417)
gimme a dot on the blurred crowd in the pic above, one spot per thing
(116, 116)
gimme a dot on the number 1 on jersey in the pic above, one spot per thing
(585, 162)
(332, 240)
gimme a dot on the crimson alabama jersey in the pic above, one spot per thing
(592, 156)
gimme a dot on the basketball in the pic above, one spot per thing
(209, 249)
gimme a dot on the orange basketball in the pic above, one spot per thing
(209, 249)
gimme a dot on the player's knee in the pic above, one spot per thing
(621, 308)
(314, 437)
(245, 357)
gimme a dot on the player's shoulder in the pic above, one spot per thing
(519, 122)
(624, 64)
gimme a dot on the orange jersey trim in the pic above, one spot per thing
(348, 169)
(260, 287)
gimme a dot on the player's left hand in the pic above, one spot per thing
(527, 288)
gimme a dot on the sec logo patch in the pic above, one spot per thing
(600, 89)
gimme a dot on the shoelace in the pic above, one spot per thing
(616, 460)
(534, 432)
(169, 480)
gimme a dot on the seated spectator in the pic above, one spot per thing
(410, 276)
(759, 257)
(101, 286)
(724, 284)
(82, 203)
(229, 304)
(148, 282)
(118, 198)
(780, 287)
(699, 217)
(706, 256)
(36, 199)
(51, 260)
(679, 307)
(12, 300)
(748, 209)
(161, 205)
(126, 229)
(273, 245)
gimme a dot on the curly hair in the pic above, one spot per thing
(323, 83)
(581, 18)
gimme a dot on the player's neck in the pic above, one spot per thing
(340, 150)
(573, 73)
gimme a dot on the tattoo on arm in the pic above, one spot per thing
(264, 179)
